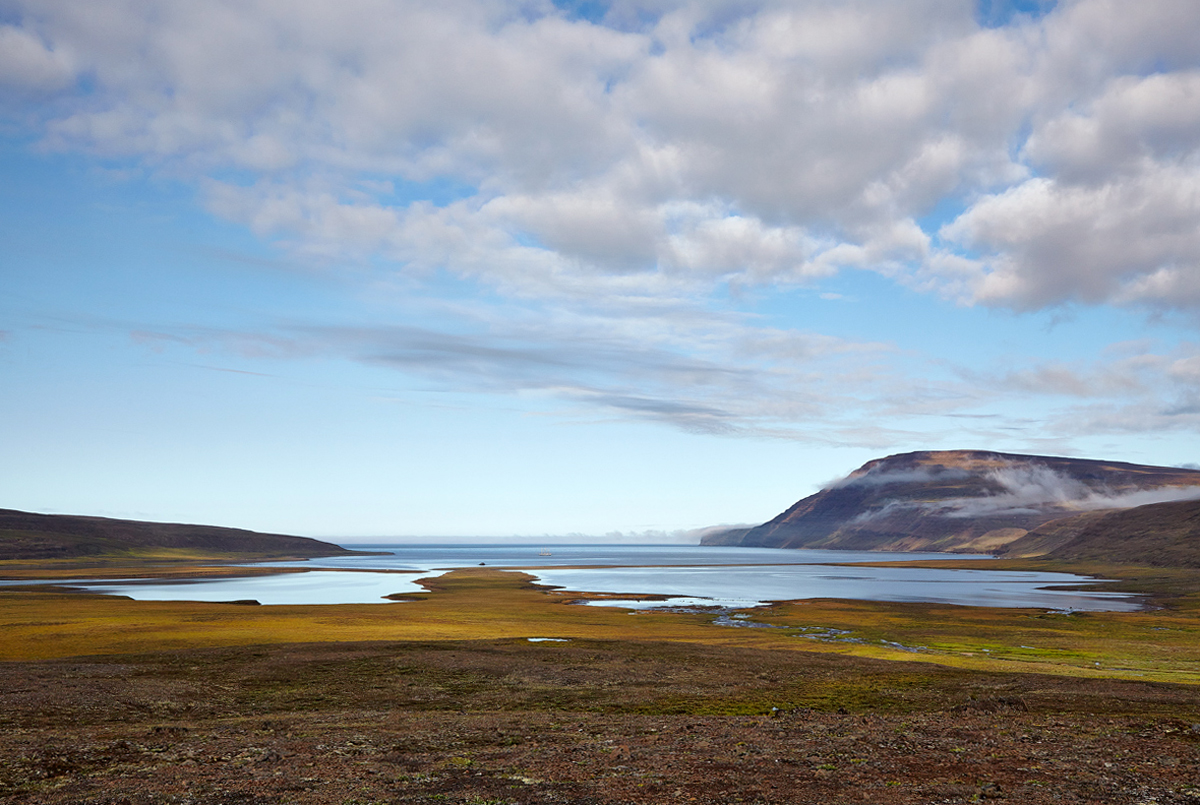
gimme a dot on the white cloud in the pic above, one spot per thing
(1019, 488)
(767, 143)
(1135, 119)
(1136, 387)
(587, 139)
(1113, 218)
(28, 65)
(630, 171)
(1127, 240)
(883, 476)
(1026, 488)
(677, 370)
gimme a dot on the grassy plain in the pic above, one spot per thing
(1161, 643)
(442, 697)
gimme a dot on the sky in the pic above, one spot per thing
(396, 268)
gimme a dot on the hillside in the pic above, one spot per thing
(1158, 534)
(24, 535)
(967, 501)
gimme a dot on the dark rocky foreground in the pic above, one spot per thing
(580, 722)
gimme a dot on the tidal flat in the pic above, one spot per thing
(445, 698)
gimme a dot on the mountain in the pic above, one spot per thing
(24, 535)
(1157, 534)
(967, 501)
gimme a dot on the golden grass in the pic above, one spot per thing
(468, 604)
(1160, 645)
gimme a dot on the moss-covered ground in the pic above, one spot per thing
(443, 697)
(1160, 643)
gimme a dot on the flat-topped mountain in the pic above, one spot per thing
(966, 501)
(24, 535)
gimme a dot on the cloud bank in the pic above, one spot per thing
(685, 142)
(1033, 488)
(1021, 488)
(618, 171)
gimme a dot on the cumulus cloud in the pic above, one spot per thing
(628, 167)
(766, 143)
(1130, 239)
(28, 65)
(1135, 119)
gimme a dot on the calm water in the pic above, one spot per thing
(429, 557)
(689, 575)
(317, 587)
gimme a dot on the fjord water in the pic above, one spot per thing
(686, 575)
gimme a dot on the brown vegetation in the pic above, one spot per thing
(28, 536)
(1159, 535)
(509, 721)
(444, 698)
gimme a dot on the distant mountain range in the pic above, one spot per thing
(972, 501)
(962, 501)
(24, 535)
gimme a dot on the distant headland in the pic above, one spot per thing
(1014, 505)
(37, 537)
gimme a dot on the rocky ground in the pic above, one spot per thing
(580, 722)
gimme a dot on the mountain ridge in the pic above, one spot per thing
(34, 536)
(965, 501)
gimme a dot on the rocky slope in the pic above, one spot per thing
(967, 501)
(1158, 534)
(595, 722)
(24, 535)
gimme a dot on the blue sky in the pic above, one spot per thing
(490, 269)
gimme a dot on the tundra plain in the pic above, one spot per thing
(444, 697)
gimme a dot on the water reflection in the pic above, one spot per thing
(740, 587)
(425, 557)
(316, 587)
(687, 575)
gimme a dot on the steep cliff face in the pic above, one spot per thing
(960, 500)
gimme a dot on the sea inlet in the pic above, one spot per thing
(678, 575)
